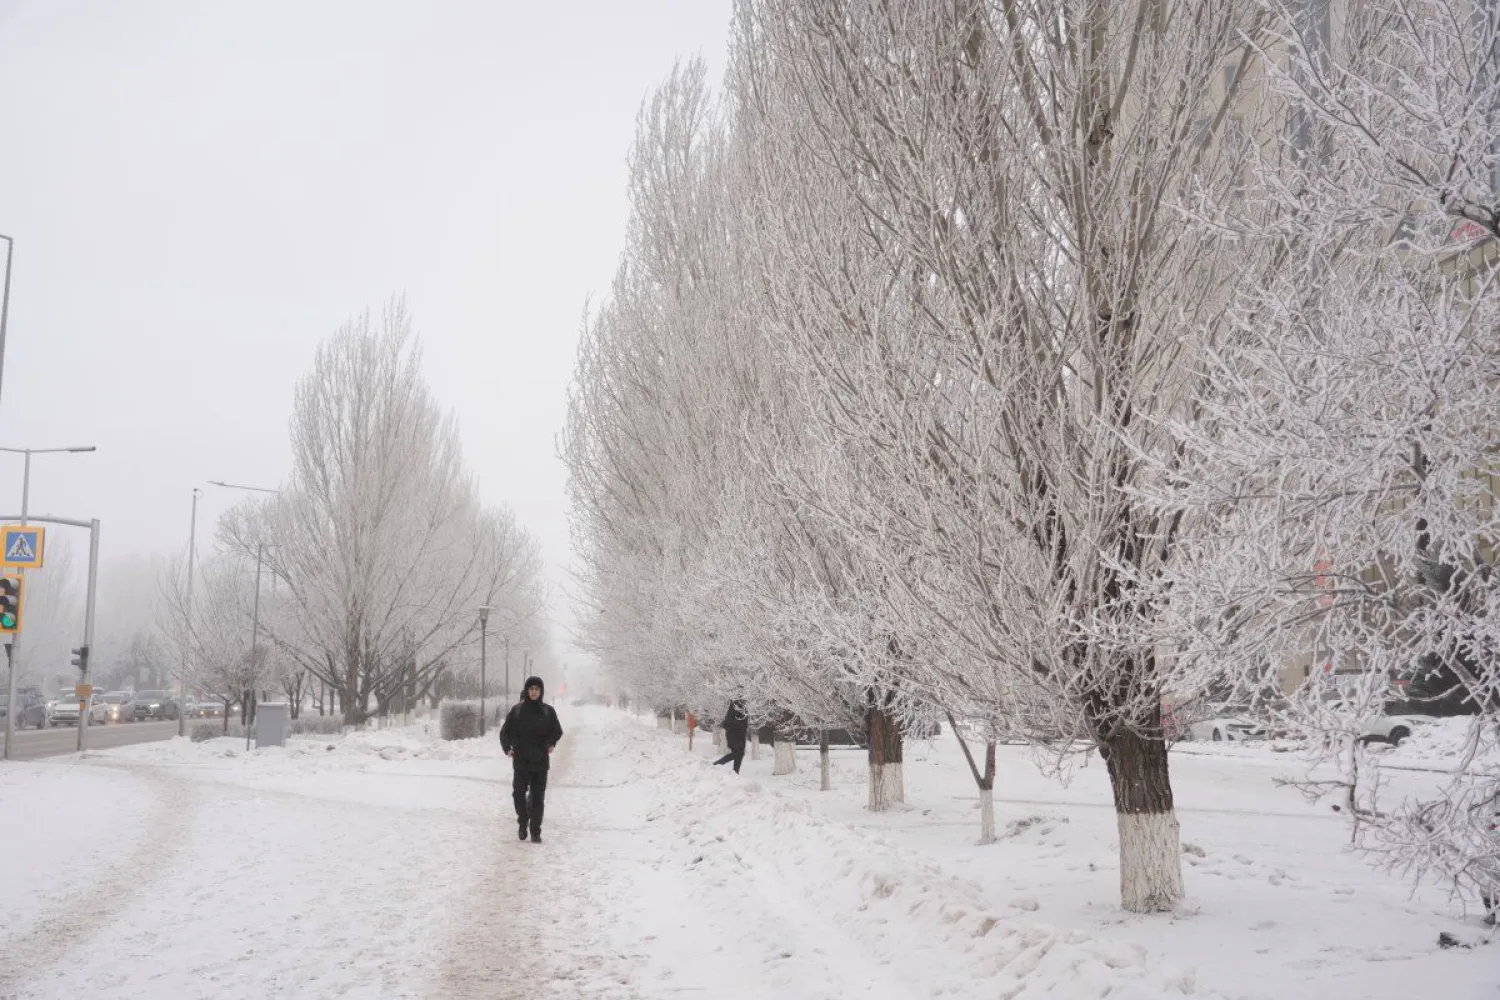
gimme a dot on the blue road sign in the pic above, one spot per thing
(21, 545)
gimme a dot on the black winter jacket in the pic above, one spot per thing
(530, 730)
(736, 725)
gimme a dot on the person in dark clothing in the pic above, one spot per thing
(529, 734)
(736, 726)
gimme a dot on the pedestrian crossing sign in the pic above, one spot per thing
(21, 545)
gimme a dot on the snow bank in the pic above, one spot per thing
(1278, 907)
(354, 768)
(1442, 744)
(406, 743)
(938, 934)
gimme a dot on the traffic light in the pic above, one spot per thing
(10, 602)
(81, 659)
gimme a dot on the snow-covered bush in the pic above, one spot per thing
(318, 725)
(202, 732)
(459, 720)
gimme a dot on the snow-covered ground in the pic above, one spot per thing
(385, 864)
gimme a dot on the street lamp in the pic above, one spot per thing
(235, 486)
(484, 628)
(260, 547)
(10, 251)
(15, 640)
(187, 614)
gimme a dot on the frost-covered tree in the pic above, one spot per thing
(1017, 305)
(378, 536)
(1341, 474)
(208, 641)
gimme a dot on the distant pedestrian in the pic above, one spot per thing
(529, 734)
(736, 726)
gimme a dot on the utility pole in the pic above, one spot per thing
(88, 624)
(15, 640)
(254, 642)
(188, 618)
(10, 251)
(484, 628)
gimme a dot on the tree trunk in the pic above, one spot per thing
(1150, 847)
(825, 773)
(987, 796)
(986, 816)
(755, 744)
(984, 779)
(887, 784)
(786, 753)
(354, 708)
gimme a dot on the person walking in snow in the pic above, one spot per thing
(736, 726)
(530, 733)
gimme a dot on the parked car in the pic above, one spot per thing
(155, 705)
(1392, 729)
(119, 706)
(67, 706)
(1228, 729)
(30, 710)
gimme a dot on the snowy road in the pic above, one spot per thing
(385, 865)
(49, 742)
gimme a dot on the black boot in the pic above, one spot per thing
(536, 836)
(523, 829)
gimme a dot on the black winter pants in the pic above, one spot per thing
(530, 790)
(735, 754)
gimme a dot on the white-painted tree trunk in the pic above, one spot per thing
(1150, 861)
(825, 769)
(786, 757)
(755, 746)
(986, 815)
(718, 738)
(887, 786)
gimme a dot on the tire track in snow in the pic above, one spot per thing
(25, 958)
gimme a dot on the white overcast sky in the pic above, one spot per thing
(200, 192)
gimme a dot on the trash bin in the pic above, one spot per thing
(273, 723)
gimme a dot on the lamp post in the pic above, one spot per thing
(187, 613)
(15, 640)
(10, 251)
(484, 628)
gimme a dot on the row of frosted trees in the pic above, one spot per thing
(1043, 361)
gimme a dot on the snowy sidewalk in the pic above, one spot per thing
(385, 864)
(275, 874)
